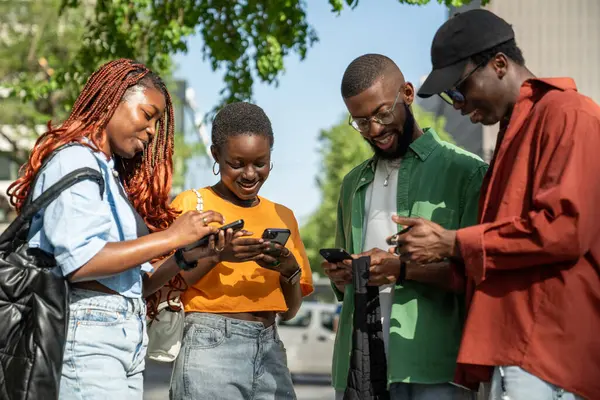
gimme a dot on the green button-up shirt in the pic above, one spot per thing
(439, 182)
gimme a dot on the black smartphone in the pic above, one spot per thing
(335, 256)
(235, 225)
(277, 235)
(393, 240)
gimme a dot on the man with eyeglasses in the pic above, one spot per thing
(412, 173)
(533, 262)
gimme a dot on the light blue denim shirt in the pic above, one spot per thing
(79, 223)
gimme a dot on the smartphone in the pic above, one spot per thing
(235, 225)
(277, 235)
(393, 240)
(335, 256)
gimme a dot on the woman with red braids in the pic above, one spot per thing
(122, 125)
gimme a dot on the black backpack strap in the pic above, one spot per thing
(48, 196)
(44, 164)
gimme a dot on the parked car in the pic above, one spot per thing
(309, 339)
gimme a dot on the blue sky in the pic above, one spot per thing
(308, 97)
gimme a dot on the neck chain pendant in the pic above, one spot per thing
(389, 172)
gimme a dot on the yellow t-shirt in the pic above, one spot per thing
(244, 287)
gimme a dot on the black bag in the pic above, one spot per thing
(34, 303)
(367, 376)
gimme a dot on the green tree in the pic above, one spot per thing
(37, 45)
(341, 149)
(34, 43)
(46, 56)
(248, 39)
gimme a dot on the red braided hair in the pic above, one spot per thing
(147, 178)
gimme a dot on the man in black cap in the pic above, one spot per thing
(461, 49)
(533, 262)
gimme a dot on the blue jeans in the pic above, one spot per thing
(417, 391)
(105, 348)
(521, 385)
(226, 358)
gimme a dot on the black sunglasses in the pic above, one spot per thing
(454, 95)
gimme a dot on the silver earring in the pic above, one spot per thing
(213, 169)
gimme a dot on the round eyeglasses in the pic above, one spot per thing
(385, 117)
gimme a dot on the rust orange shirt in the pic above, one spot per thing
(244, 287)
(534, 259)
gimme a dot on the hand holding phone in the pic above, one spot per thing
(393, 240)
(277, 235)
(340, 275)
(275, 240)
(235, 226)
(335, 256)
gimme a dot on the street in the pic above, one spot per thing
(157, 375)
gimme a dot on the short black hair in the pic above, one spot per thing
(509, 49)
(362, 73)
(240, 118)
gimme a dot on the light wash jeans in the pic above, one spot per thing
(416, 391)
(518, 384)
(230, 359)
(105, 348)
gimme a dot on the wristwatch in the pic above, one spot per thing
(181, 263)
(402, 274)
(294, 278)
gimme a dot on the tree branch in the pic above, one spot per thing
(35, 41)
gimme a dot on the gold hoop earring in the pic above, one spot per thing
(271, 169)
(217, 171)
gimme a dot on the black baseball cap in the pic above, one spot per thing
(463, 35)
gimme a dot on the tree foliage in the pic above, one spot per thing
(48, 48)
(34, 44)
(338, 5)
(341, 148)
(247, 39)
(39, 53)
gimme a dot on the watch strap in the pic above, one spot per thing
(182, 263)
(402, 274)
(294, 278)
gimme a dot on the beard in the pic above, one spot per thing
(403, 139)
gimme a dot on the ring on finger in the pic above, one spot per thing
(205, 221)
(218, 250)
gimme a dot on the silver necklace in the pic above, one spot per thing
(394, 165)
